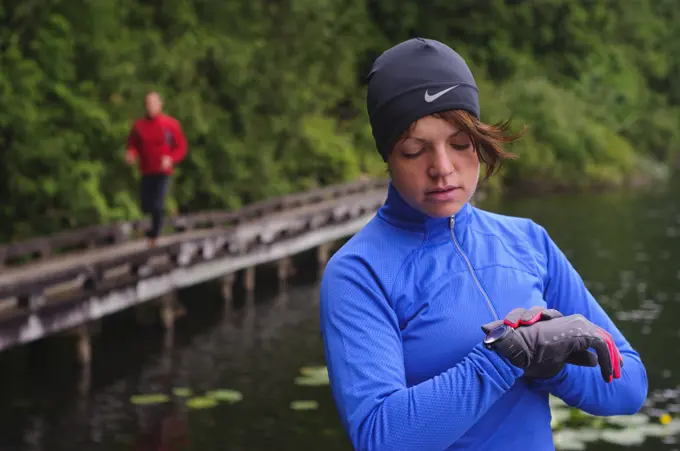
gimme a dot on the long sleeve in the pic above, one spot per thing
(365, 361)
(578, 386)
(180, 150)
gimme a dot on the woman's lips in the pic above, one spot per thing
(443, 194)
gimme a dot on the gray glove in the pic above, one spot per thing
(542, 341)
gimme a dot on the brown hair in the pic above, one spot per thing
(487, 139)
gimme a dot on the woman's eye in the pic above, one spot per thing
(461, 146)
(413, 154)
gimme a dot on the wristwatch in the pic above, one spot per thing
(497, 335)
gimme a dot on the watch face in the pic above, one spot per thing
(495, 334)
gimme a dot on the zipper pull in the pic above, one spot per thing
(452, 222)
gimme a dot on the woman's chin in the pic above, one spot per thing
(442, 209)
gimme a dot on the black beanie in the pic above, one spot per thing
(415, 79)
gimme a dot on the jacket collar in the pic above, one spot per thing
(397, 212)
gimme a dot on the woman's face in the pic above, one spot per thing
(436, 168)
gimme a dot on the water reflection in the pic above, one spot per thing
(163, 427)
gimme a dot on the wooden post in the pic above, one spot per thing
(84, 380)
(84, 345)
(284, 270)
(168, 310)
(249, 284)
(322, 257)
(227, 286)
(249, 279)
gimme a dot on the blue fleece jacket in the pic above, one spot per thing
(402, 305)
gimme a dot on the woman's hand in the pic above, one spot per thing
(522, 317)
(542, 341)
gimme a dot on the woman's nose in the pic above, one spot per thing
(441, 164)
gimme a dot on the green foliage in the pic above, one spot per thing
(271, 94)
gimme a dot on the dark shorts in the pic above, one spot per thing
(153, 188)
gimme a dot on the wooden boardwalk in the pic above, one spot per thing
(70, 280)
(53, 265)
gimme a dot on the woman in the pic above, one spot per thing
(446, 327)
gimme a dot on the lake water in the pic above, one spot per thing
(626, 246)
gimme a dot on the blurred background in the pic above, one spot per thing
(270, 95)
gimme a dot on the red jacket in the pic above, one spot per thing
(152, 138)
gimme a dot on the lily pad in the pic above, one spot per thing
(313, 376)
(673, 427)
(626, 437)
(568, 439)
(304, 405)
(599, 423)
(149, 398)
(310, 381)
(559, 416)
(655, 430)
(227, 395)
(589, 434)
(181, 392)
(570, 446)
(201, 402)
(628, 420)
(313, 370)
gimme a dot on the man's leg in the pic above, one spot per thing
(146, 185)
(146, 195)
(158, 207)
(156, 223)
(153, 200)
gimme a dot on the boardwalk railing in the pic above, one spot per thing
(57, 293)
(40, 248)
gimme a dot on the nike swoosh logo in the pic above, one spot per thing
(431, 98)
